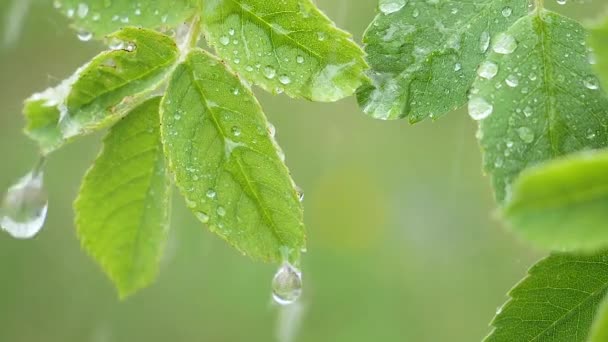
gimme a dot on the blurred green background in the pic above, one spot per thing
(404, 241)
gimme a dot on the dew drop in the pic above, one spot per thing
(82, 10)
(592, 83)
(269, 72)
(25, 205)
(300, 59)
(287, 284)
(221, 211)
(202, 216)
(391, 6)
(507, 11)
(487, 70)
(504, 44)
(84, 36)
(224, 40)
(236, 131)
(284, 79)
(525, 134)
(479, 108)
(484, 41)
(512, 81)
(211, 193)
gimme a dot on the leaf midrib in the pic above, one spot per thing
(224, 136)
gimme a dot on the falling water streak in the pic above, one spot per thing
(15, 19)
(289, 321)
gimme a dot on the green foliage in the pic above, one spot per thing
(563, 205)
(102, 17)
(544, 101)
(123, 205)
(103, 90)
(285, 46)
(213, 133)
(424, 55)
(226, 162)
(556, 302)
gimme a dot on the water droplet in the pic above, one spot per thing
(221, 211)
(211, 193)
(528, 112)
(479, 108)
(300, 193)
(287, 284)
(457, 67)
(507, 11)
(300, 59)
(84, 36)
(284, 79)
(525, 134)
(25, 206)
(202, 216)
(224, 40)
(592, 83)
(269, 72)
(236, 131)
(512, 81)
(504, 44)
(82, 10)
(484, 41)
(271, 129)
(561, 2)
(487, 70)
(391, 6)
(116, 44)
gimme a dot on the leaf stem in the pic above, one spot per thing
(539, 4)
(187, 36)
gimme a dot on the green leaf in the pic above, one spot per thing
(122, 211)
(226, 162)
(563, 205)
(598, 40)
(285, 46)
(599, 330)
(103, 90)
(424, 54)
(102, 17)
(556, 302)
(540, 104)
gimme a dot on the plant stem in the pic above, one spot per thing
(539, 4)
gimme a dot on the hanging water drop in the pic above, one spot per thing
(287, 284)
(25, 205)
(84, 36)
(592, 83)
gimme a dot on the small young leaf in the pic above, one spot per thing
(285, 46)
(556, 302)
(103, 90)
(563, 205)
(541, 102)
(424, 54)
(226, 163)
(599, 330)
(598, 40)
(122, 210)
(97, 18)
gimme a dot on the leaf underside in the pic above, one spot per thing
(424, 56)
(122, 209)
(556, 302)
(546, 102)
(226, 164)
(285, 46)
(101, 92)
(563, 205)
